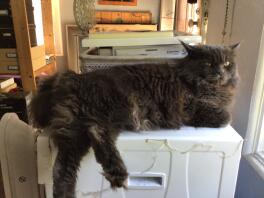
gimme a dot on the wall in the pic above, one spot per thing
(68, 18)
(247, 26)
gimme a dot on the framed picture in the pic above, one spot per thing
(118, 2)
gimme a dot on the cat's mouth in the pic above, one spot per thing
(213, 79)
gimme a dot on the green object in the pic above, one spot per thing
(118, 20)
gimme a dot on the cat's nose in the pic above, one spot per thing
(219, 74)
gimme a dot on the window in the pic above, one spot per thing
(38, 21)
(118, 2)
(254, 142)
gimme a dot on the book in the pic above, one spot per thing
(5, 82)
(8, 88)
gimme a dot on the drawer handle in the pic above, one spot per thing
(12, 67)
(7, 34)
(11, 55)
(3, 12)
(146, 181)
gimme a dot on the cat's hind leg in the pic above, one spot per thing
(106, 153)
(72, 145)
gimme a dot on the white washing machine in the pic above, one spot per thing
(185, 163)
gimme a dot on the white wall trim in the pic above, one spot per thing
(257, 163)
(252, 150)
(257, 105)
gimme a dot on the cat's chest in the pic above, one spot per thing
(213, 95)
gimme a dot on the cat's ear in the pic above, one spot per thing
(189, 48)
(235, 46)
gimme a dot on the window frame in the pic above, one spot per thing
(254, 141)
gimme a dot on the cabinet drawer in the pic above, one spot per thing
(6, 21)
(7, 38)
(9, 67)
(4, 4)
(5, 15)
(8, 55)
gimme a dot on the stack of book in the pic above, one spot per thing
(7, 84)
(12, 98)
(15, 102)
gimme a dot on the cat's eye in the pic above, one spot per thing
(227, 63)
(208, 64)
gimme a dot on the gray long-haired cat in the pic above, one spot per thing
(90, 110)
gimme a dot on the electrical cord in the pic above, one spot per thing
(165, 144)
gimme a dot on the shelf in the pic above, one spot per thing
(38, 57)
(124, 28)
(47, 69)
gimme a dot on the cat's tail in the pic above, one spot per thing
(40, 108)
(50, 92)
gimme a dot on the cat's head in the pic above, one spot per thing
(214, 64)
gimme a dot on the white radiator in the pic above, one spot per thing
(185, 163)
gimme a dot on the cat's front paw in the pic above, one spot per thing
(117, 179)
(222, 119)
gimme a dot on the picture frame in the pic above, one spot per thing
(118, 2)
